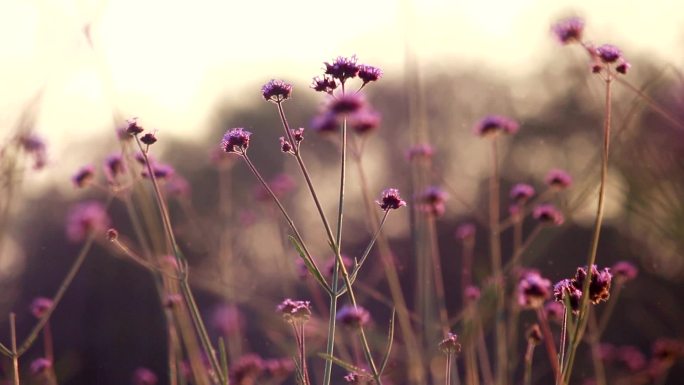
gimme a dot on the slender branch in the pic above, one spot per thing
(15, 355)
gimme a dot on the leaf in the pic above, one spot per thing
(390, 339)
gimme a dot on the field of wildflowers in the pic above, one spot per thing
(415, 233)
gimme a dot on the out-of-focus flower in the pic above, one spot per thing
(159, 170)
(346, 104)
(114, 166)
(608, 53)
(40, 365)
(281, 185)
(324, 83)
(84, 218)
(279, 367)
(132, 127)
(624, 271)
(554, 311)
(247, 369)
(521, 192)
(144, 376)
(390, 200)
(420, 151)
(623, 66)
(148, 139)
(34, 146)
(178, 187)
(465, 231)
(566, 291)
(276, 91)
(236, 140)
(599, 287)
(533, 290)
(548, 214)
(433, 201)
(364, 121)
(330, 265)
(325, 123)
(558, 179)
(84, 176)
(450, 344)
(569, 30)
(495, 124)
(40, 305)
(353, 317)
(632, 357)
(472, 293)
(227, 319)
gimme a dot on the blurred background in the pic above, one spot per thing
(72, 71)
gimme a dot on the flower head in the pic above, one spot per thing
(608, 53)
(342, 68)
(548, 214)
(84, 176)
(566, 291)
(569, 30)
(465, 231)
(114, 166)
(236, 140)
(159, 170)
(227, 319)
(39, 306)
(624, 271)
(599, 287)
(364, 121)
(369, 73)
(521, 192)
(346, 104)
(148, 139)
(132, 126)
(293, 311)
(144, 376)
(420, 151)
(494, 124)
(472, 293)
(84, 218)
(390, 200)
(324, 83)
(325, 123)
(433, 201)
(558, 179)
(623, 66)
(276, 91)
(450, 344)
(353, 317)
(533, 290)
(40, 365)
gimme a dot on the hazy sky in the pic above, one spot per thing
(168, 61)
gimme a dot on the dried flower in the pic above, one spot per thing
(494, 124)
(84, 218)
(569, 30)
(548, 214)
(324, 83)
(533, 290)
(534, 334)
(433, 201)
(342, 68)
(84, 176)
(276, 91)
(608, 53)
(565, 290)
(599, 287)
(521, 192)
(148, 139)
(353, 317)
(40, 365)
(144, 376)
(558, 179)
(390, 200)
(132, 127)
(236, 140)
(450, 344)
(624, 271)
(40, 306)
(369, 73)
(364, 121)
(293, 311)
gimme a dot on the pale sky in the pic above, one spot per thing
(169, 62)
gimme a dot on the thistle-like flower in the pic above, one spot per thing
(148, 139)
(369, 73)
(390, 200)
(564, 291)
(276, 91)
(236, 140)
(324, 83)
(450, 344)
(599, 287)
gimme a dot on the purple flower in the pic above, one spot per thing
(342, 68)
(40, 365)
(433, 201)
(34, 146)
(84, 176)
(554, 311)
(548, 214)
(148, 139)
(330, 265)
(420, 151)
(276, 91)
(285, 146)
(39, 306)
(293, 311)
(599, 287)
(450, 344)
(533, 290)
(632, 357)
(390, 200)
(566, 291)
(521, 192)
(369, 73)
(623, 66)
(364, 121)
(236, 140)
(227, 319)
(494, 124)
(346, 104)
(558, 179)
(608, 53)
(472, 293)
(144, 376)
(465, 231)
(132, 126)
(114, 166)
(624, 271)
(298, 134)
(569, 30)
(159, 170)
(325, 123)
(324, 83)
(353, 317)
(84, 218)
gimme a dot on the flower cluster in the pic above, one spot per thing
(294, 311)
(494, 124)
(533, 290)
(548, 214)
(353, 316)
(236, 140)
(571, 289)
(390, 200)
(276, 91)
(85, 218)
(450, 344)
(433, 201)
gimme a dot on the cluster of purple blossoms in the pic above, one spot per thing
(354, 317)
(433, 201)
(571, 289)
(450, 344)
(533, 290)
(624, 271)
(492, 125)
(521, 193)
(34, 146)
(390, 200)
(114, 166)
(84, 176)
(420, 151)
(293, 311)
(569, 30)
(276, 91)
(465, 231)
(144, 376)
(159, 171)
(132, 127)
(548, 214)
(558, 179)
(297, 136)
(40, 305)
(85, 218)
(247, 369)
(605, 56)
(342, 69)
(236, 140)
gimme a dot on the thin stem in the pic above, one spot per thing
(549, 343)
(563, 338)
(447, 375)
(594, 338)
(15, 355)
(47, 342)
(529, 354)
(437, 272)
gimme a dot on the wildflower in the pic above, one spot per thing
(148, 139)
(433, 201)
(325, 123)
(330, 265)
(632, 357)
(521, 192)
(279, 367)
(465, 231)
(346, 104)
(293, 311)
(140, 158)
(364, 121)
(35, 146)
(236, 140)
(623, 66)
(548, 214)
(420, 151)
(324, 83)
(566, 291)
(472, 293)
(599, 287)
(144, 376)
(40, 365)
(554, 311)
(114, 166)
(40, 306)
(227, 319)
(569, 30)
(112, 235)
(494, 124)
(298, 134)
(133, 128)
(558, 179)
(450, 344)
(624, 271)
(85, 218)
(533, 290)
(84, 176)
(342, 68)
(608, 53)
(276, 91)
(285, 146)
(353, 316)
(177, 186)
(369, 73)
(390, 200)
(534, 334)
(159, 171)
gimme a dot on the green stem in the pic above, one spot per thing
(15, 356)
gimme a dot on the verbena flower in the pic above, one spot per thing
(623, 66)
(369, 73)
(298, 134)
(548, 214)
(148, 139)
(293, 311)
(285, 145)
(236, 140)
(433, 201)
(558, 179)
(564, 290)
(533, 290)
(40, 306)
(114, 166)
(144, 376)
(353, 317)
(599, 287)
(624, 271)
(554, 311)
(342, 68)
(346, 104)
(84, 176)
(84, 218)
(34, 146)
(608, 53)
(390, 200)
(495, 124)
(325, 123)
(227, 319)
(132, 126)
(362, 378)
(465, 231)
(364, 121)
(324, 83)
(420, 151)
(159, 170)
(521, 192)
(569, 30)
(276, 91)
(40, 365)
(450, 344)
(472, 293)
